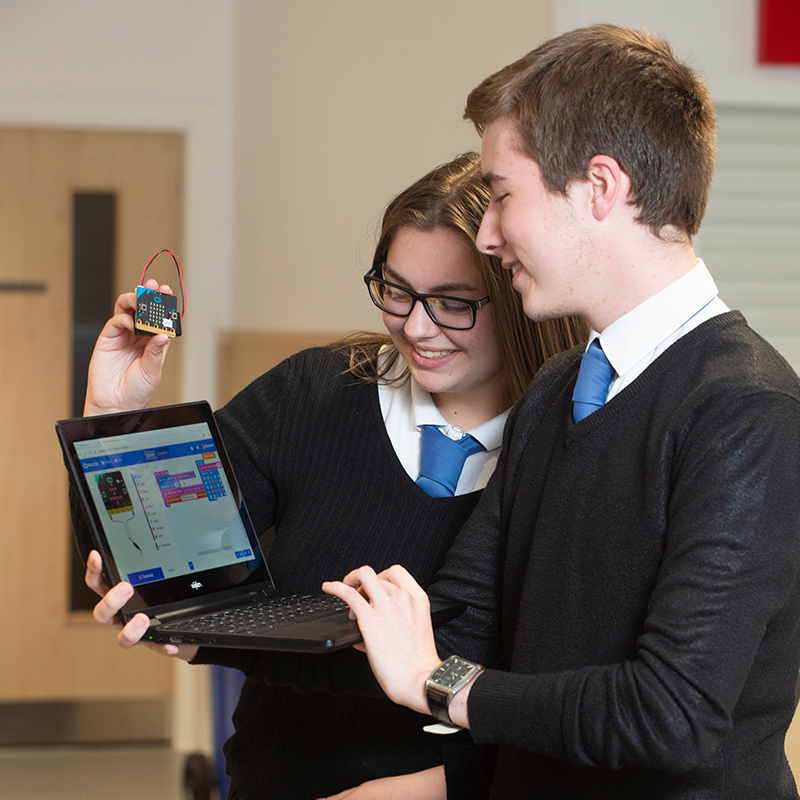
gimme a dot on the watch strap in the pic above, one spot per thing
(438, 701)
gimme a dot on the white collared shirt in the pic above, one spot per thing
(638, 338)
(407, 408)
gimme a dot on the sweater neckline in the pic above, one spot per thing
(375, 411)
(666, 361)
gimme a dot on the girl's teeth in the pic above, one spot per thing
(433, 353)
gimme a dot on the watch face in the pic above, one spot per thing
(452, 672)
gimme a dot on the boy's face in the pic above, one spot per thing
(538, 234)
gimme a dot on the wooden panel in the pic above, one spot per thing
(244, 355)
(793, 746)
(49, 653)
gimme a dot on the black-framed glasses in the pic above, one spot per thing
(455, 313)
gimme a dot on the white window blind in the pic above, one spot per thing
(750, 238)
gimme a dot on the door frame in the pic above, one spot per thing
(208, 243)
(208, 226)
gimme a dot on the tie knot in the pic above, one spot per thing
(594, 378)
(442, 459)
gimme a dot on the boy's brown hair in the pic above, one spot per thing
(616, 92)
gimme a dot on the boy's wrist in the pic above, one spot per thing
(447, 688)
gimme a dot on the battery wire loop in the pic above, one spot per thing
(180, 276)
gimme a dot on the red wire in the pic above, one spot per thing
(180, 275)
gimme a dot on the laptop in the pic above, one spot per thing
(166, 514)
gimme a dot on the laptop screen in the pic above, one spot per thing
(164, 508)
(164, 502)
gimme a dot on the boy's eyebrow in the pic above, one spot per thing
(491, 179)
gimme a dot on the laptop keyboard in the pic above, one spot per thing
(261, 615)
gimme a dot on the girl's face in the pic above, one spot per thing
(461, 369)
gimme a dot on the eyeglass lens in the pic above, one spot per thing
(443, 310)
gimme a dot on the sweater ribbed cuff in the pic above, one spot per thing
(525, 706)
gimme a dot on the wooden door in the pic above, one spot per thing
(51, 653)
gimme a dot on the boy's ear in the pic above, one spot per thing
(609, 185)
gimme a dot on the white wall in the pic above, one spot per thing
(144, 65)
(340, 106)
(720, 36)
(79, 50)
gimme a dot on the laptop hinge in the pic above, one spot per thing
(208, 604)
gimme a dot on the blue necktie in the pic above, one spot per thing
(594, 378)
(442, 460)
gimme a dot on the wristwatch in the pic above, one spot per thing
(452, 675)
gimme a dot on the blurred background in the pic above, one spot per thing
(260, 141)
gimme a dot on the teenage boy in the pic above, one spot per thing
(631, 571)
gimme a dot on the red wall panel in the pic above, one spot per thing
(779, 32)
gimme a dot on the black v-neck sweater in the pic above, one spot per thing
(634, 579)
(311, 452)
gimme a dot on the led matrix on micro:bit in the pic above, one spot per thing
(156, 312)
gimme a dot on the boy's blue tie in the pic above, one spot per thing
(442, 460)
(594, 378)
